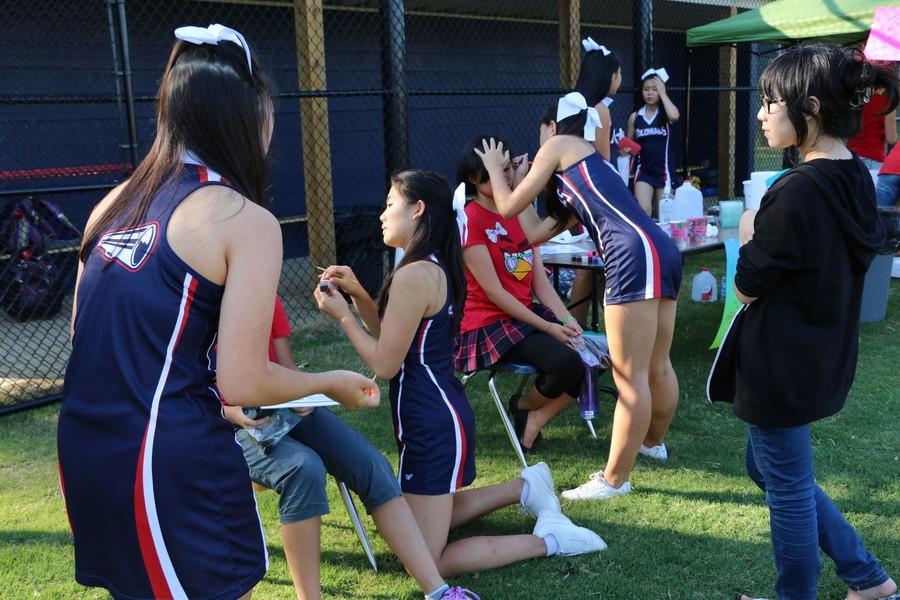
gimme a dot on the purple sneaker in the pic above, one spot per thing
(458, 593)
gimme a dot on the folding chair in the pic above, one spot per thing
(525, 371)
(352, 513)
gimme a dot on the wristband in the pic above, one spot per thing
(547, 328)
(568, 320)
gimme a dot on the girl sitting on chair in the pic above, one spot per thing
(501, 321)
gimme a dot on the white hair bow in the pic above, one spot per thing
(459, 207)
(213, 35)
(589, 45)
(660, 72)
(574, 103)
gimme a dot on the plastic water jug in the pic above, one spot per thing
(688, 202)
(666, 205)
(703, 287)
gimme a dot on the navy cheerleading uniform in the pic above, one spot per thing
(641, 261)
(652, 164)
(157, 491)
(433, 422)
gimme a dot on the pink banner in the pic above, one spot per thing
(884, 39)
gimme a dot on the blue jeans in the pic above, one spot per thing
(320, 443)
(803, 518)
(888, 190)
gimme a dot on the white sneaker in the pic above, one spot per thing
(541, 493)
(658, 452)
(597, 488)
(571, 538)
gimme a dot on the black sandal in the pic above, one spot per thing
(520, 420)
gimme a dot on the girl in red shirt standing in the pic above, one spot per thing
(878, 129)
(501, 320)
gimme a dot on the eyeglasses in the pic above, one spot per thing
(768, 102)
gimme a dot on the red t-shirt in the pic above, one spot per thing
(513, 258)
(281, 327)
(891, 164)
(869, 142)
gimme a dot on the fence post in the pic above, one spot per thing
(129, 90)
(393, 78)
(309, 32)
(727, 117)
(642, 33)
(569, 42)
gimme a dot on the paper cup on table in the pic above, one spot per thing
(697, 227)
(730, 212)
(748, 188)
(679, 230)
(758, 188)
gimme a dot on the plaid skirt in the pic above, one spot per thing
(480, 348)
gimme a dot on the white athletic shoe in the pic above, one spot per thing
(571, 538)
(658, 452)
(541, 493)
(597, 488)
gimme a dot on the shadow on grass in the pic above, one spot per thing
(24, 537)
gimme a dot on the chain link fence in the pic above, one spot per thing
(364, 87)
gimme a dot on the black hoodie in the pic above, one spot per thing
(816, 232)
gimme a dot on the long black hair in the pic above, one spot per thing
(470, 166)
(211, 104)
(841, 78)
(572, 125)
(436, 233)
(595, 76)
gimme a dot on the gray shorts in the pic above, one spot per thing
(321, 443)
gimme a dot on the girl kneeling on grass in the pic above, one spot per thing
(501, 320)
(413, 323)
(296, 466)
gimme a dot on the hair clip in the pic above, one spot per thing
(213, 35)
(862, 96)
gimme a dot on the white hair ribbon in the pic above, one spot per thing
(213, 35)
(590, 45)
(660, 72)
(574, 103)
(459, 207)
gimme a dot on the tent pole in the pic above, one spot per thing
(687, 116)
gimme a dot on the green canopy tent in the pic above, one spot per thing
(784, 22)
(790, 21)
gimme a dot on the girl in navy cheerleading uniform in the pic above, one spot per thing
(650, 127)
(174, 260)
(414, 323)
(643, 274)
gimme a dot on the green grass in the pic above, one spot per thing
(695, 528)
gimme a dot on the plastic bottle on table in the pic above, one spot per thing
(703, 287)
(688, 202)
(666, 205)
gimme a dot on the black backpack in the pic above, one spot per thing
(34, 235)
